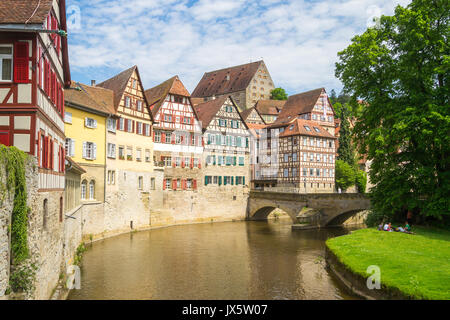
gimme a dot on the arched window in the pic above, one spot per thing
(92, 190)
(83, 190)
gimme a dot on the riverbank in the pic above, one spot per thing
(412, 266)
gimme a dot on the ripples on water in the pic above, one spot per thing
(236, 260)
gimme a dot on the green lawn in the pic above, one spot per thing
(418, 265)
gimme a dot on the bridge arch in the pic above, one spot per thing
(263, 211)
(340, 218)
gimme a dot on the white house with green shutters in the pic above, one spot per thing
(226, 144)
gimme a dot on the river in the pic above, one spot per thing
(235, 260)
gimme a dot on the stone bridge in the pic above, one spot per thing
(331, 208)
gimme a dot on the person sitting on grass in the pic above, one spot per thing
(387, 227)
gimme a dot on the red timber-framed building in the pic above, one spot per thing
(34, 69)
(301, 145)
(177, 135)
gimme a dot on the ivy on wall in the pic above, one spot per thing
(14, 160)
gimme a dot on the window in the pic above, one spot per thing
(147, 130)
(318, 172)
(305, 157)
(318, 157)
(311, 172)
(111, 125)
(189, 184)
(286, 173)
(139, 105)
(152, 184)
(325, 158)
(129, 153)
(317, 129)
(67, 117)
(138, 154)
(167, 118)
(70, 147)
(134, 84)
(168, 138)
(305, 172)
(147, 155)
(121, 152)
(241, 161)
(167, 161)
(294, 156)
(83, 189)
(6, 63)
(286, 158)
(140, 183)
(294, 172)
(139, 128)
(127, 102)
(157, 136)
(177, 161)
(92, 190)
(111, 150)
(130, 125)
(186, 120)
(90, 123)
(89, 151)
(111, 177)
(307, 128)
(122, 124)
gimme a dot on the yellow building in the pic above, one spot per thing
(88, 112)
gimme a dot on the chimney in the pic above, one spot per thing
(92, 83)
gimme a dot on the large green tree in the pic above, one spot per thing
(278, 94)
(346, 150)
(400, 68)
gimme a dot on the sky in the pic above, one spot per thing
(298, 39)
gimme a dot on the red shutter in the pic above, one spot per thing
(54, 27)
(192, 163)
(21, 67)
(174, 184)
(45, 152)
(199, 163)
(194, 184)
(52, 165)
(163, 137)
(62, 105)
(183, 184)
(134, 126)
(153, 135)
(173, 164)
(164, 184)
(4, 138)
(182, 162)
(125, 127)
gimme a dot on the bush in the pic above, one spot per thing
(361, 181)
(345, 175)
(374, 218)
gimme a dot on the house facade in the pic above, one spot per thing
(178, 144)
(87, 112)
(227, 145)
(269, 109)
(246, 84)
(129, 174)
(34, 70)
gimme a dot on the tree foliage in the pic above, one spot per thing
(400, 68)
(361, 181)
(346, 150)
(278, 94)
(345, 175)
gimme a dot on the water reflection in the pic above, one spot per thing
(255, 260)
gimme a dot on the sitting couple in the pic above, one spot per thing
(388, 227)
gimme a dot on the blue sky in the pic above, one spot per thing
(297, 39)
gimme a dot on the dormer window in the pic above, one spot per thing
(316, 129)
(291, 127)
(307, 128)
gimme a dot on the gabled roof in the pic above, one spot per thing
(215, 83)
(297, 127)
(156, 95)
(118, 85)
(246, 113)
(270, 107)
(299, 104)
(24, 11)
(96, 99)
(207, 111)
(73, 166)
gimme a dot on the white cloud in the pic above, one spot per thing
(298, 40)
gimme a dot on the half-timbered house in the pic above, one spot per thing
(178, 144)
(227, 144)
(34, 70)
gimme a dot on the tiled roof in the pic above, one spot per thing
(196, 101)
(216, 83)
(75, 166)
(118, 84)
(206, 111)
(298, 104)
(94, 98)
(297, 127)
(156, 95)
(24, 11)
(246, 113)
(270, 107)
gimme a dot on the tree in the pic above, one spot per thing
(345, 175)
(400, 68)
(346, 150)
(278, 94)
(361, 181)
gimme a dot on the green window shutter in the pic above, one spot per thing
(243, 181)
(214, 160)
(206, 180)
(220, 180)
(246, 142)
(224, 181)
(232, 181)
(234, 161)
(237, 180)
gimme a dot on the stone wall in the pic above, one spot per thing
(6, 205)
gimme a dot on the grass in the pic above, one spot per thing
(418, 265)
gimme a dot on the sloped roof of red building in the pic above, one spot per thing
(270, 107)
(24, 11)
(299, 127)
